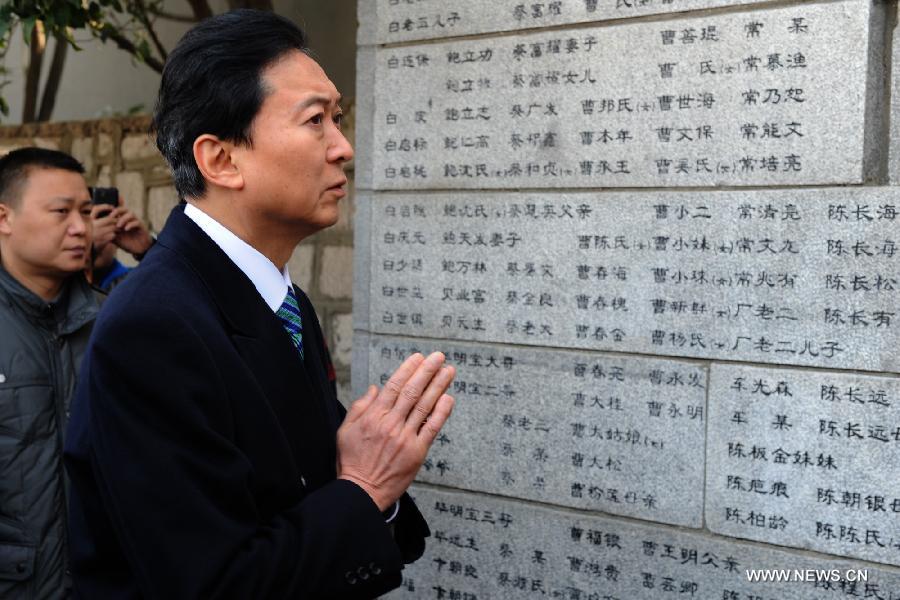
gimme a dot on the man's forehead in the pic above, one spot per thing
(302, 78)
(54, 184)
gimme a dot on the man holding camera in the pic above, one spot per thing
(115, 226)
(47, 310)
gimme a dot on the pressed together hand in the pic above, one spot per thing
(386, 435)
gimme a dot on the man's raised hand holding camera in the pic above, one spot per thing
(115, 226)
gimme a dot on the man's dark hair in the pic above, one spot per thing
(16, 165)
(212, 83)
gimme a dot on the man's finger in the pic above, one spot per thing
(126, 218)
(391, 389)
(411, 393)
(359, 407)
(436, 388)
(431, 427)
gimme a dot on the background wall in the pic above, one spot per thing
(657, 240)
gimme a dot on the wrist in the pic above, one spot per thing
(139, 256)
(382, 503)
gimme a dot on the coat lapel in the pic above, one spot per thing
(264, 346)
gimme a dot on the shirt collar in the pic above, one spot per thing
(271, 283)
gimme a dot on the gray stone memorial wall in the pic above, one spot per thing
(485, 548)
(658, 241)
(806, 459)
(748, 98)
(387, 21)
(805, 277)
(619, 434)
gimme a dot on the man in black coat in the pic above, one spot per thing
(208, 454)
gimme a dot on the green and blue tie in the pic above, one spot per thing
(289, 313)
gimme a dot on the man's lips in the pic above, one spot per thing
(338, 188)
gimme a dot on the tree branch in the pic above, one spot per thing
(257, 4)
(33, 75)
(145, 21)
(108, 31)
(200, 8)
(173, 17)
(48, 98)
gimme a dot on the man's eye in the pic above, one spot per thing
(339, 119)
(62, 211)
(316, 120)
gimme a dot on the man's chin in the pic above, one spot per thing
(69, 268)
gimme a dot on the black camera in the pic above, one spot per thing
(104, 195)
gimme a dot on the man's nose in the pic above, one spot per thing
(79, 224)
(340, 149)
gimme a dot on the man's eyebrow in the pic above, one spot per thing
(317, 99)
(69, 199)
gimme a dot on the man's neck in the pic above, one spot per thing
(46, 287)
(273, 244)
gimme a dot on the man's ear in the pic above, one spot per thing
(215, 160)
(6, 218)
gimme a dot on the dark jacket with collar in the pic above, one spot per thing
(41, 345)
(202, 449)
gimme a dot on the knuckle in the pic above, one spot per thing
(409, 394)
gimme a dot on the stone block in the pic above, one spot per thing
(364, 110)
(301, 266)
(346, 209)
(362, 260)
(104, 177)
(48, 143)
(773, 97)
(388, 21)
(803, 276)
(894, 144)
(620, 435)
(805, 459)
(345, 393)
(137, 147)
(342, 339)
(336, 271)
(105, 146)
(8, 145)
(160, 202)
(487, 547)
(131, 189)
(367, 17)
(359, 373)
(82, 150)
(161, 172)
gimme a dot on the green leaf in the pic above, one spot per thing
(6, 25)
(143, 49)
(27, 27)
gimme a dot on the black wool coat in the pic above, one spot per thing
(202, 452)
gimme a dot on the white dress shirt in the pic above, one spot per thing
(271, 283)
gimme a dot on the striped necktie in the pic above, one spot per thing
(289, 314)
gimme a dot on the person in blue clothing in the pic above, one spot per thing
(114, 228)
